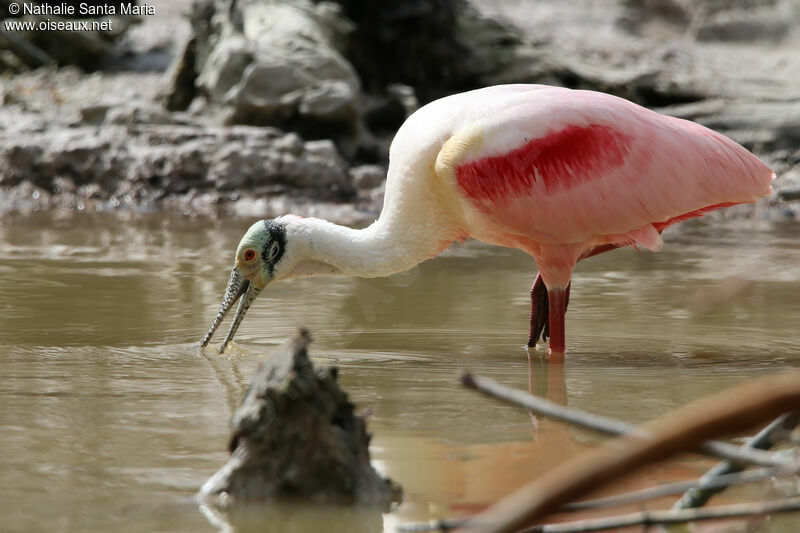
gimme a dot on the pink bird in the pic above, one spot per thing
(558, 173)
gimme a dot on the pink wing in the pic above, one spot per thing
(561, 166)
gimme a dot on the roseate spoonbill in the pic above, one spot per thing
(561, 174)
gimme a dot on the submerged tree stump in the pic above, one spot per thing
(295, 436)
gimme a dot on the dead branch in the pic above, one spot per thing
(763, 440)
(735, 409)
(625, 498)
(441, 524)
(680, 516)
(605, 425)
(668, 489)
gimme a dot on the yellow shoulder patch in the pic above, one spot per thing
(467, 142)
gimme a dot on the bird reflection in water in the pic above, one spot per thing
(547, 380)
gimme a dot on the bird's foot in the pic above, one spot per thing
(535, 349)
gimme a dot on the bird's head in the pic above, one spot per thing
(261, 257)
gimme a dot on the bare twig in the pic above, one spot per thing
(668, 489)
(602, 424)
(735, 409)
(442, 524)
(644, 518)
(546, 408)
(626, 498)
(649, 518)
(764, 439)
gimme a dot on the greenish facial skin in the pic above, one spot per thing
(258, 252)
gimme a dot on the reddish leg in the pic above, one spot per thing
(539, 302)
(557, 303)
(540, 311)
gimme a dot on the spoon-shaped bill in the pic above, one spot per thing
(244, 305)
(237, 285)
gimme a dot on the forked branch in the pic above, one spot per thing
(735, 409)
(678, 516)
(608, 426)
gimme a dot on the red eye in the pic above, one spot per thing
(249, 255)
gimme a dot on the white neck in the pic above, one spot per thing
(378, 250)
(418, 221)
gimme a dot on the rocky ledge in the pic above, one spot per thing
(258, 107)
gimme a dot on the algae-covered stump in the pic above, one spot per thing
(296, 436)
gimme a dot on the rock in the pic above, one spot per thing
(760, 126)
(708, 20)
(367, 177)
(66, 41)
(789, 195)
(23, 51)
(291, 143)
(300, 65)
(136, 113)
(435, 46)
(648, 50)
(743, 26)
(277, 64)
(348, 73)
(332, 100)
(788, 187)
(180, 88)
(384, 113)
(295, 436)
(94, 113)
(644, 17)
(224, 67)
(137, 164)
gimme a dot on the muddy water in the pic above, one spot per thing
(111, 418)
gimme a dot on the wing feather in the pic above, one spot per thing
(563, 166)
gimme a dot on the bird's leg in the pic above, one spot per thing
(557, 306)
(539, 311)
(546, 333)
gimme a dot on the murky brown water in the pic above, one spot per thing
(111, 418)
